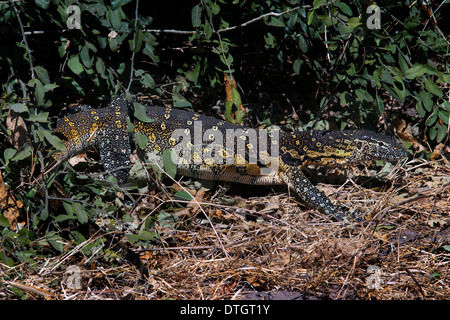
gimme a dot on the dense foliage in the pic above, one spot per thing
(322, 64)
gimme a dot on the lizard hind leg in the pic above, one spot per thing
(310, 195)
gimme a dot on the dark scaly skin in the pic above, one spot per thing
(106, 128)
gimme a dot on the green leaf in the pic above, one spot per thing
(148, 50)
(4, 222)
(42, 74)
(183, 195)
(80, 212)
(433, 132)
(433, 88)
(420, 109)
(303, 45)
(354, 22)
(319, 3)
(143, 235)
(444, 115)
(44, 214)
(115, 4)
(25, 236)
(40, 117)
(18, 107)
(56, 242)
(297, 65)
(344, 8)
(446, 105)
(380, 105)
(113, 44)
(275, 22)
(432, 118)
(363, 95)
(9, 153)
(193, 75)
(22, 154)
(85, 58)
(100, 67)
(75, 65)
(403, 63)
(73, 85)
(50, 86)
(426, 98)
(215, 8)
(208, 29)
(140, 112)
(54, 140)
(43, 4)
(136, 42)
(351, 71)
(115, 18)
(412, 22)
(39, 91)
(167, 220)
(196, 16)
(180, 102)
(419, 70)
(270, 40)
(141, 140)
(147, 80)
(441, 132)
(169, 166)
(6, 260)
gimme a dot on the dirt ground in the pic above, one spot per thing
(270, 246)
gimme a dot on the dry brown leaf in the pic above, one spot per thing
(79, 159)
(437, 222)
(32, 289)
(192, 207)
(281, 259)
(402, 130)
(437, 151)
(18, 128)
(10, 207)
(229, 84)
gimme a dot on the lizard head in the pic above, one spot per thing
(368, 145)
(84, 129)
(335, 148)
(77, 132)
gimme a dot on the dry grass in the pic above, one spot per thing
(273, 244)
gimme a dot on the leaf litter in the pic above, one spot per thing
(270, 246)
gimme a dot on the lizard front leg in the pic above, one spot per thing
(310, 195)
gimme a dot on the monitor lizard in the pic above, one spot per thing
(213, 149)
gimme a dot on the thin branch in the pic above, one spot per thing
(134, 47)
(270, 14)
(24, 38)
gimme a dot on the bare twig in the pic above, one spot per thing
(24, 38)
(269, 14)
(136, 18)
